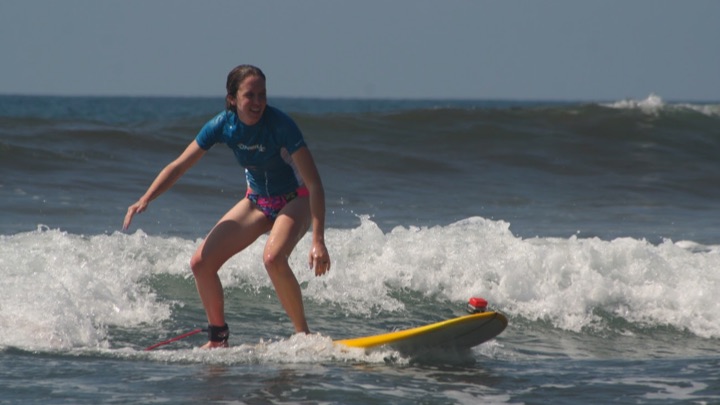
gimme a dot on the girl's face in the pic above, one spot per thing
(251, 99)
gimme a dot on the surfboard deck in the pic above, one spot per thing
(459, 333)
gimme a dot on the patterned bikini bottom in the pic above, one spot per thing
(272, 205)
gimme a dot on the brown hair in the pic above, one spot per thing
(235, 77)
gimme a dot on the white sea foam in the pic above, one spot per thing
(63, 291)
(654, 104)
(305, 349)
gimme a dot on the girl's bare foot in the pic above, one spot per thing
(215, 345)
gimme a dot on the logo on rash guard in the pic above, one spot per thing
(258, 147)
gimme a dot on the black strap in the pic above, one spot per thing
(218, 333)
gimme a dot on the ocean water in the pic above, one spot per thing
(594, 227)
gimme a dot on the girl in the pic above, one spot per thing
(284, 197)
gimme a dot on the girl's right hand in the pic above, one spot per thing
(136, 208)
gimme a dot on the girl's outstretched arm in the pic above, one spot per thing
(165, 179)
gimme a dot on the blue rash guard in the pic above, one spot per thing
(263, 149)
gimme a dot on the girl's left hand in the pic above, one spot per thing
(319, 259)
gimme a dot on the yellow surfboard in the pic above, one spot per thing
(459, 333)
(454, 334)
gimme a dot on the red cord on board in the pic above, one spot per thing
(176, 338)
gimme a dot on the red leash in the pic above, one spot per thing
(176, 338)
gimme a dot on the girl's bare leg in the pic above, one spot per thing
(290, 226)
(235, 231)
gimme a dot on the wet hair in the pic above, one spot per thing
(235, 77)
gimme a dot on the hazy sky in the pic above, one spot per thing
(549, 49)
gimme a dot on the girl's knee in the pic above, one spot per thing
(198, 264)
(274, 262)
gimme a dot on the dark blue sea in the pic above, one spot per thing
(594, 227)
